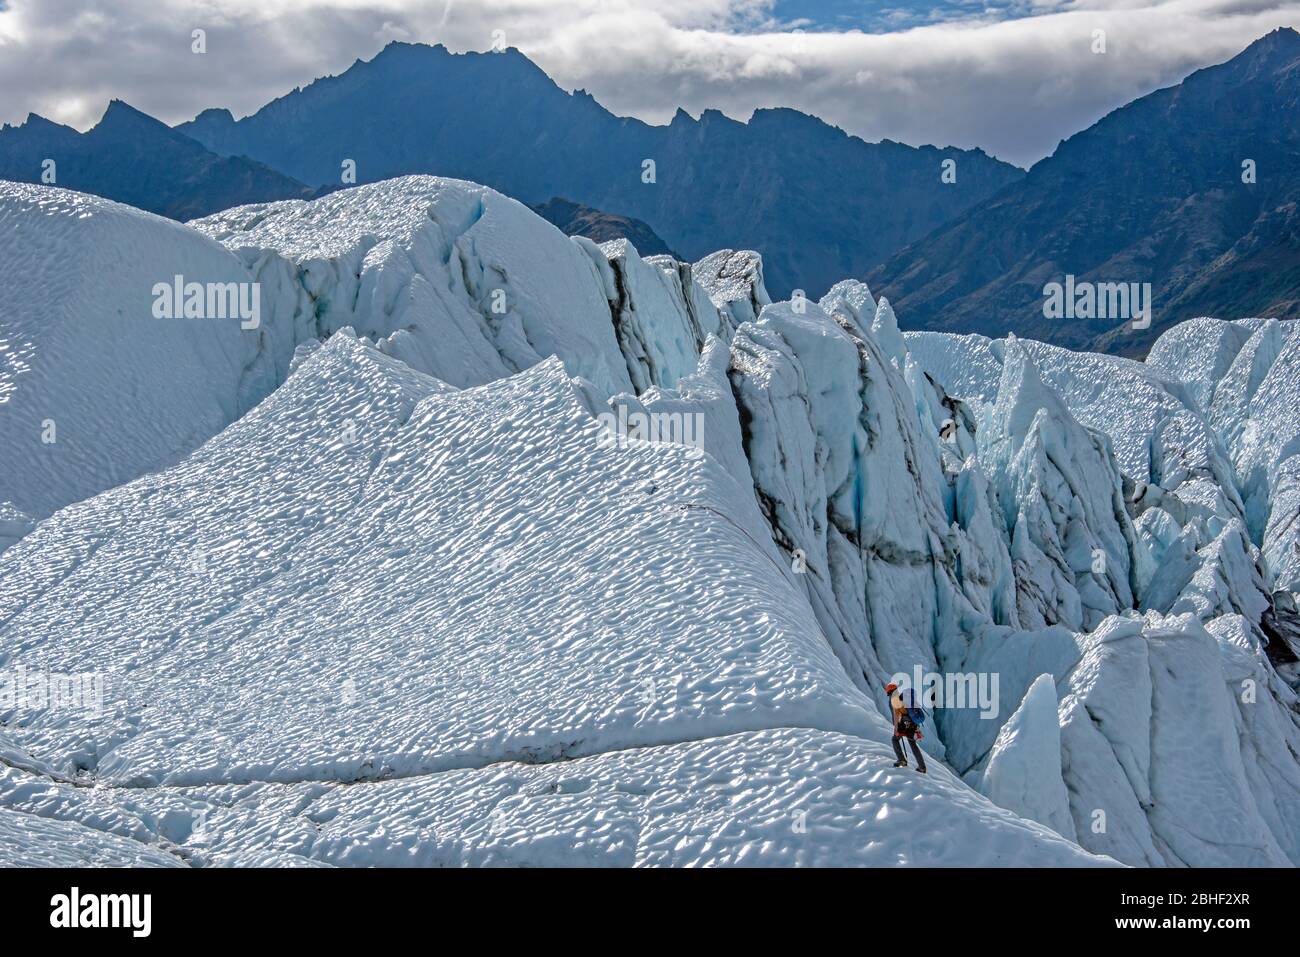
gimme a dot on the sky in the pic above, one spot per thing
(1011, 76)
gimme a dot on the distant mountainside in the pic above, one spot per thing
(575, 219)
(818, 203)
(1154, 193)
(133, 158)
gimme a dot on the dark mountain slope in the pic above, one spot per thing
(132, 158)
(1153, 193)
(817, 202)
(575, 219)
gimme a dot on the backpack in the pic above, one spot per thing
(914, 709)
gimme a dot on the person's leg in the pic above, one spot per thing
(898, 750)
(920, 758)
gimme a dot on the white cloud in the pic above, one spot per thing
(1014, 87)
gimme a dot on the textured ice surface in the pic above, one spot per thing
(707, 393)
(1196, 454)
(45, 820)
(469, 285)
(1198, 353)
(1186, 435)
(372, 574)
(733, 280)
(778, 797)
(453, 278)
(356, 621)
(1124, 399)
(661, 317)
(1151, 737)
(94, 390)
(419, 606)
(846, 483)
(1024, 768)
(852, 301)
(1247, 376)
(1073, 546)
(30, 840)
(1174, 740)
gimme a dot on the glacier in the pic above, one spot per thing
(374, 584)
(96, 391)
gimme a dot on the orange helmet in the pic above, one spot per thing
(891, 687)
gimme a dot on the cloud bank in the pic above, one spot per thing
(1013, 80)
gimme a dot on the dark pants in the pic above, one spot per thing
(898, 750)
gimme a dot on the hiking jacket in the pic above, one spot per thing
(899, 709)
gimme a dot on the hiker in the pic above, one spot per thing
(906, 725)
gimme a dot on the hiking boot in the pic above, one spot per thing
(900, 764)
(920, 770)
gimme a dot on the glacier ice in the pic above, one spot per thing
(1247, 376)
(1073, 546)
(732, 279)
(775, 797)
(453, 278)
(94, 390)
(371, 584)
(1023, 772)
(409, 584)
(303, 643)
(842, 474)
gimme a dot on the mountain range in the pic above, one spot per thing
(818, 203)
(1154, 192)
(498, 119)
(1192, 189)
(133, 158)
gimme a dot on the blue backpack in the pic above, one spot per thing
(914, 709)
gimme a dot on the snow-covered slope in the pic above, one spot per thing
(414, 596)
(453, 278)
(442, 580)
(779, 797)
(436, 579)
(94, 389)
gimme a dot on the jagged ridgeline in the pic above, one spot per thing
(423, 567)
(819, 203)
(1191, 190)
